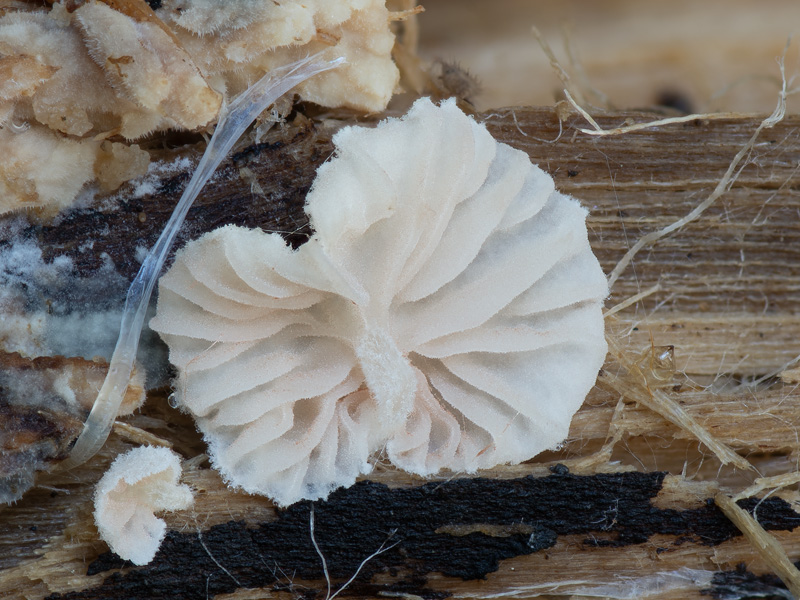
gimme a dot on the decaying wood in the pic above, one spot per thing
(43, 404)
(729, 277)
(598, 517)
(766, 545)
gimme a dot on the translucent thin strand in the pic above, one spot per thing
(234, 119)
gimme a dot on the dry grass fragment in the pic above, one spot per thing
(724, 184)
(645, 379)
(765, 544)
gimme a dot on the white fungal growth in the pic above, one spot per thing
(448, 309)
(79, 73)
(143, 64)
(137, 484)
(236, 41)
(23, 185)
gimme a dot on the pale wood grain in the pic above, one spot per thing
(728, 302)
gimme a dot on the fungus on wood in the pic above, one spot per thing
(446, 309)
(139, 483)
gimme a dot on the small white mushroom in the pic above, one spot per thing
(137, 484)
(447, 309)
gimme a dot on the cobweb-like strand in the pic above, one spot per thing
(448, 310)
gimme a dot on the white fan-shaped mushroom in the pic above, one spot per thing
(137, 484)
(448, 308)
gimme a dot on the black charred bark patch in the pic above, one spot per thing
(741, 584)
(114, 228)
(461, 528)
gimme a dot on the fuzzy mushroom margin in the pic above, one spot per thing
(137, 484)
(447, 311)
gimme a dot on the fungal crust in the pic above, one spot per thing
(74, 74)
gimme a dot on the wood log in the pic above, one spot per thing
(624, 510)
